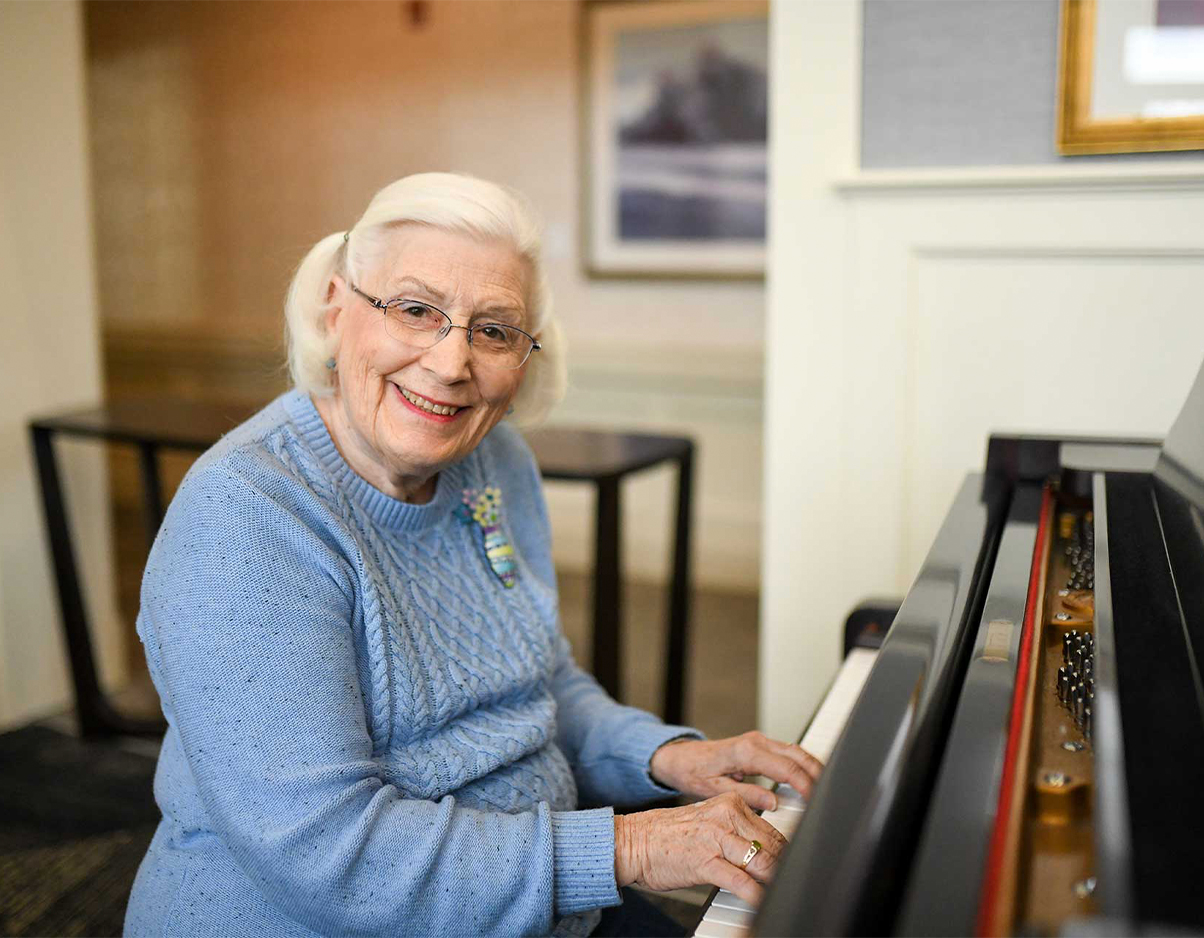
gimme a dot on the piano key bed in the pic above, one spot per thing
(727, 915)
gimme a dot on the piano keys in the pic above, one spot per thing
(727, 915)
(971, 791)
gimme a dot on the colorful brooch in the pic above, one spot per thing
(485, 510)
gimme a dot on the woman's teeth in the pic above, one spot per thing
(427, 405)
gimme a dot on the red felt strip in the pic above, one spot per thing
(1008, 783)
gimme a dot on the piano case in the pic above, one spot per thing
(919, 823)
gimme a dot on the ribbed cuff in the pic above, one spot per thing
(640, 741)
(583, 860)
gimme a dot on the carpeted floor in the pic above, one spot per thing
(77, 817)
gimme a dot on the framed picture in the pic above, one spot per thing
(675, 111)
(1131, 76)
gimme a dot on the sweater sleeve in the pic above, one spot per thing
(246, 613)
(610, 746)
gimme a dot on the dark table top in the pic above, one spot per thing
(562, 453)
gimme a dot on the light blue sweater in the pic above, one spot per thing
(367, 733)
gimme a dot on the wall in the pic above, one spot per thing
(938, 304)
(230, 137)
(964, 83)
(51, 358)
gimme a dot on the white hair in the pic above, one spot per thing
(451, 202)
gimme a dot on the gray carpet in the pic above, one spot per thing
(77, 817)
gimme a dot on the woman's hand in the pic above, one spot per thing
(705, 842)
(705, 768)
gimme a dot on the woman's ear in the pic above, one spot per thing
(336, 293)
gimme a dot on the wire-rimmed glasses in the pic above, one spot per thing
(422, 325)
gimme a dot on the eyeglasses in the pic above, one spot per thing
(493, 344)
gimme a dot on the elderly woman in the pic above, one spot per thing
(375, 725)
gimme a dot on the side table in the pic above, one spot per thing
(600, 457)
(605, 459)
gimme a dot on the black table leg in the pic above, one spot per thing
(607, 589)
(96, 715)
(152, 493)
(66, 575)
(679, 597)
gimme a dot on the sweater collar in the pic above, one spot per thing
(385, 510)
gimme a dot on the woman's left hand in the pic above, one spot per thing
(706, 768)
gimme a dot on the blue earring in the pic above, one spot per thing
(330, 363)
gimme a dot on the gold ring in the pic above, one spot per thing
(754, 847)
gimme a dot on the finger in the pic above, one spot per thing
(726, 876)
(754, 795)
(815, 766)
(760, 865)
(811, 765)
(732, 816)
(748, 826)
(772, 840)
(782, 769)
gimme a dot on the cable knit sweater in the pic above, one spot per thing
(367, 733)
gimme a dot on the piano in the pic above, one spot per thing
(1025, 753)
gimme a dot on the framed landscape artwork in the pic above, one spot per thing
(675, 117)
(1131, 76)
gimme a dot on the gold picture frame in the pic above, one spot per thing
(1078, 131)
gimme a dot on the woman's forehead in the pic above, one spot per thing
(452, 268)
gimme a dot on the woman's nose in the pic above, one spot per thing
(450, 357)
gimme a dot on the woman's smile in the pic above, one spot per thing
(431, 409)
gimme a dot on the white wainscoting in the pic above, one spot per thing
(1009, 309)
(713, 395)
(1012, 307)
(944, 306)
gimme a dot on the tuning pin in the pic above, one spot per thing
(1063, 684)
(1087, 722)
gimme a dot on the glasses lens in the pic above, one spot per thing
(415, 323)
(500, 346)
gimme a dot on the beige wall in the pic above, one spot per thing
(51, 356)
(229, 137)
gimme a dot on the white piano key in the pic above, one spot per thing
(784, 820)
(717, 913)
(824, 732)
(716, 930)
(820, 740)
(729, 900)
(788, 797)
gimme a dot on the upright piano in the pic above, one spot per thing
(1025, 753)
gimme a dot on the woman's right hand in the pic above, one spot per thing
(671, 848)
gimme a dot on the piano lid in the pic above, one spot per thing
(865, 815)
(1181, 463)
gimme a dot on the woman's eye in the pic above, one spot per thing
(416, 311)
(493, 333)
